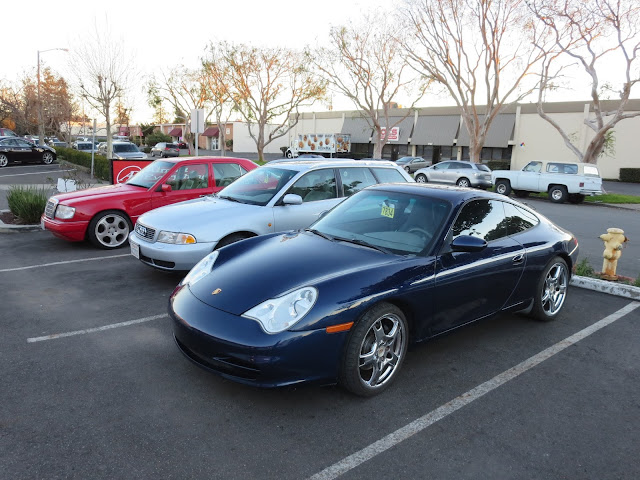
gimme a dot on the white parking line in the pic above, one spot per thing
(97, 329)
(35, 173)
(394, 438)
(17, 269)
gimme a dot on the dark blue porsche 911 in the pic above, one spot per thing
(341, 300)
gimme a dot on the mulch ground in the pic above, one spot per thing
(10, 219)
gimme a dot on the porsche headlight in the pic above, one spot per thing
(278, 314)
(201, 269)
(64, 212)
(176, 238)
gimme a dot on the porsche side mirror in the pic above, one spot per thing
(467, 243)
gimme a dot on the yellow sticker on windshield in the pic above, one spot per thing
(388, 211)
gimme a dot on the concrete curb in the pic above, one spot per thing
(604, 286)
(6, 228)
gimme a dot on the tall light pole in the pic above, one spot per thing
(40, 116)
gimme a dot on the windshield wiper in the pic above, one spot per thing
(357, 241)
(320, 234)
(231, 199)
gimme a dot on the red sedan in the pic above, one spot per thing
(106, 215)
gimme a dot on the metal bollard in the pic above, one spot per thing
(614, 241)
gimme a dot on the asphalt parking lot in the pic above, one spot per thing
(94, 387)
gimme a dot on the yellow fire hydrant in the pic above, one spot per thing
(614, 241)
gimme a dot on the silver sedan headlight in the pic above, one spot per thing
(64, 212)
(278, 314)
(176, 238)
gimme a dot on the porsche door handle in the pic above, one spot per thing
(518, 259)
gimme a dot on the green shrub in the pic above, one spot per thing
(499, 165)
(584, 269)
(101, 166)
(637, 282)
(157, 137)
(630, 175)
(27, 203)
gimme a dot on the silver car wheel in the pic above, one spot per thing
(47, 158)
(4, 161)
(463, 182)
(381, 350)
(554, 290)
(421, 178)
(111, 230)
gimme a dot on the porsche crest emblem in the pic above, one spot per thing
(216, 291)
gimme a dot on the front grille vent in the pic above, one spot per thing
(145, 232)
(50, 209)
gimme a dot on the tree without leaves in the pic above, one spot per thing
(591, 32)
(103, 71)
(366, 65)
(478, 51)
(267, 86)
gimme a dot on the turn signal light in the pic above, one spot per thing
(343, 327)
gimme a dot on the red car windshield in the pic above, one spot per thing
(149, 175)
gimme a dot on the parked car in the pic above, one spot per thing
(562, 180)
(164, 149)
(268, 199)
(305, 157)
(412, 164)
(341, 300)
(85, 146)
(183, 146)
(127, 151)
(5, 132)
(16, 149)
(106, 215)
(463, 174)
(54, 142)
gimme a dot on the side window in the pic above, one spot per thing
(562, 168)
(189, 177)
(463, 165)
(355, 179)
(533, 167)
(315, 185)
(226, 173)
(442, 166)
(388, 175)
(22, 143)
(483, 219)
(518, 220)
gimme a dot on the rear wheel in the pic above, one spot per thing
(421, 178)
(4, 160)
(558, 193)
(375, 350)
(503, 187)
(551, 290)
(407, 169)
(463, 182)
(109, 229)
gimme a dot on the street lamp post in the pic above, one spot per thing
(40, 116)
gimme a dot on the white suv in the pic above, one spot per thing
(269, 199)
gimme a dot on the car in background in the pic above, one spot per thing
(106, 215)
(269, 199)
(183, 146)
(5, 132)
(84, 146)
(16, 149)
(456, 172)
(562, 180)
(164, 149)
(54, 142)
(340, 301)
(412, 164)
(127, 151)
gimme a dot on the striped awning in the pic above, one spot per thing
(358, 128)
(211, 132)
(499, 134)
(438, 130)
(176, 132)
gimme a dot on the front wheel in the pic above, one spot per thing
(375, 350)
(47, 158)
(463, 182)
(407, 169)
(228, 240)
(109, 229)
(4, 160)
(421, 178)
(503, 187)
(551, 290)
(558, 194)
(289, 154)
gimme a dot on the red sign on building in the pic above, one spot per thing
(394, 134)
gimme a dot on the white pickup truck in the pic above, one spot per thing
(563, 181)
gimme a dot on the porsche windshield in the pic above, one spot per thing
(149, 175)
(258, 186)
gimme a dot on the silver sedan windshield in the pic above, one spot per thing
(258, 186)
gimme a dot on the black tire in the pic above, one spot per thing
(289, 154)
(109, 229)
(503, 187)
(48, 158)
(381, 335)
(4, 160)
(558, 193)
(407, 169)
(229, 239)
(551, 291)
(576, 198)
(521, 193)
(421, 178)
(463, 182)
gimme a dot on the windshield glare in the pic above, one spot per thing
(258, 186)
(149, 175)
(400, 222)
(129, 147)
